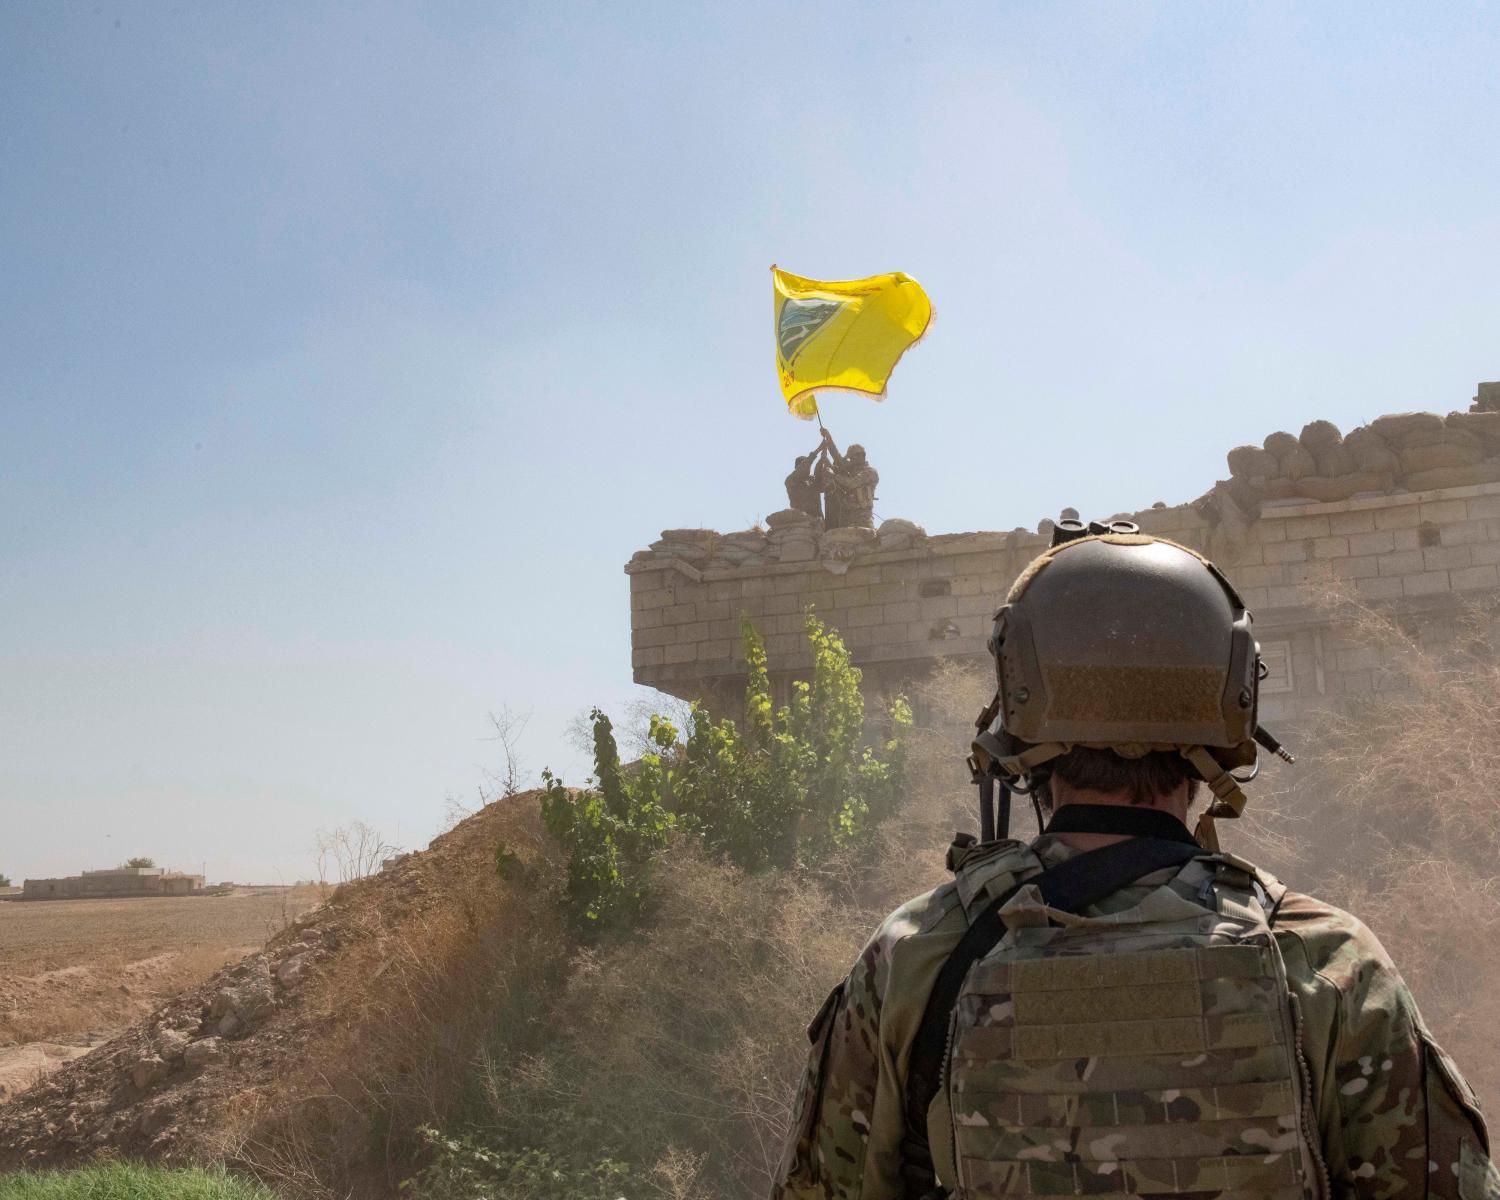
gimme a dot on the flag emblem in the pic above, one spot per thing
(799, 320)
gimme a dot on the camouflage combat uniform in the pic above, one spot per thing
(1394, 1118)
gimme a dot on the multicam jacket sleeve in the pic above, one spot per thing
(848, 1120)
(1396, 1116)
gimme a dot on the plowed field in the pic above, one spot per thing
(74, 971)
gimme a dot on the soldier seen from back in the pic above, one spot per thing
(1117, 1009)
(849, 482)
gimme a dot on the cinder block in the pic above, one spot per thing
(851, 597)
(862, 576)
(935, 607)
(1285, 597)
(788, 585)
(1255, 598)
(1465, 533)
(907, 610)
(1285, 552)
(1406, 539)
(779, 645)
(1426, 584)
(680, 654)
(978, 606)
(1483, 507)
(1379, 589)
(1267, 532)
(887, 593)
(663, 635)
(680, 614)
(718, 650)
(1441, 558)
(1362, 521)
(1403, 562)
(1487, 576)
(1330, 547)
(646, 656)
(658, 598)
(867, 614)
(893, 634)
(1488, 552)
(1439, 512)
(713, 610)
(647, 618)
(1402, 516)
(1363, 567)
(724, 589)
(759, 585)
(1262, 576)
(1380, 542)
(1304, 527)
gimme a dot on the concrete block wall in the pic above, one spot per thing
(902, 610)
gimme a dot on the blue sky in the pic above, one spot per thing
(348, 351)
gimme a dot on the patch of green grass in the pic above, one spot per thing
(129, 1181)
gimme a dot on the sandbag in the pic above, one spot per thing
(1446, 477)
(1416, 459)
(1341, 487)
(1394, 426)
(1370, 451)
(1291, 456)
(1252, 462)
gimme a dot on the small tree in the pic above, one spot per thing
(797, 783)
(4, 879)
(612, 829)
(140, 861)
(350, 851)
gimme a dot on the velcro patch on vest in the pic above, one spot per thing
(977, 1072)
(1264, 1175)
(1154, 1106)
(1161, 1035)
(1153, 968)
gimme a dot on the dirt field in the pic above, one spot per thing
(74, 971)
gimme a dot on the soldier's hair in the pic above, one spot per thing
(1145, 779)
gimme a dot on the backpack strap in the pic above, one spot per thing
(1070, 886)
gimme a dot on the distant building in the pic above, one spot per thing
(113, 883)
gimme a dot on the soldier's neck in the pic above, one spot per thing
(1174, 803)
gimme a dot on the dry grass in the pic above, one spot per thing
(1394, 816)
(404, 1012)
(678, 1049)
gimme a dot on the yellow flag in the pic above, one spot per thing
(848, 334)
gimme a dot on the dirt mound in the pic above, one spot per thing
(167, 1087)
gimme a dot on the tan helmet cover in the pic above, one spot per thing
(1130, 643)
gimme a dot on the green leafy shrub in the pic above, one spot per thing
(611, 829)
(796, 784)
(800, 781)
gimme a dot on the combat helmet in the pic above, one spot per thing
(1117, 640)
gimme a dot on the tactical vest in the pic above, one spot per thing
(1143, 1053)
